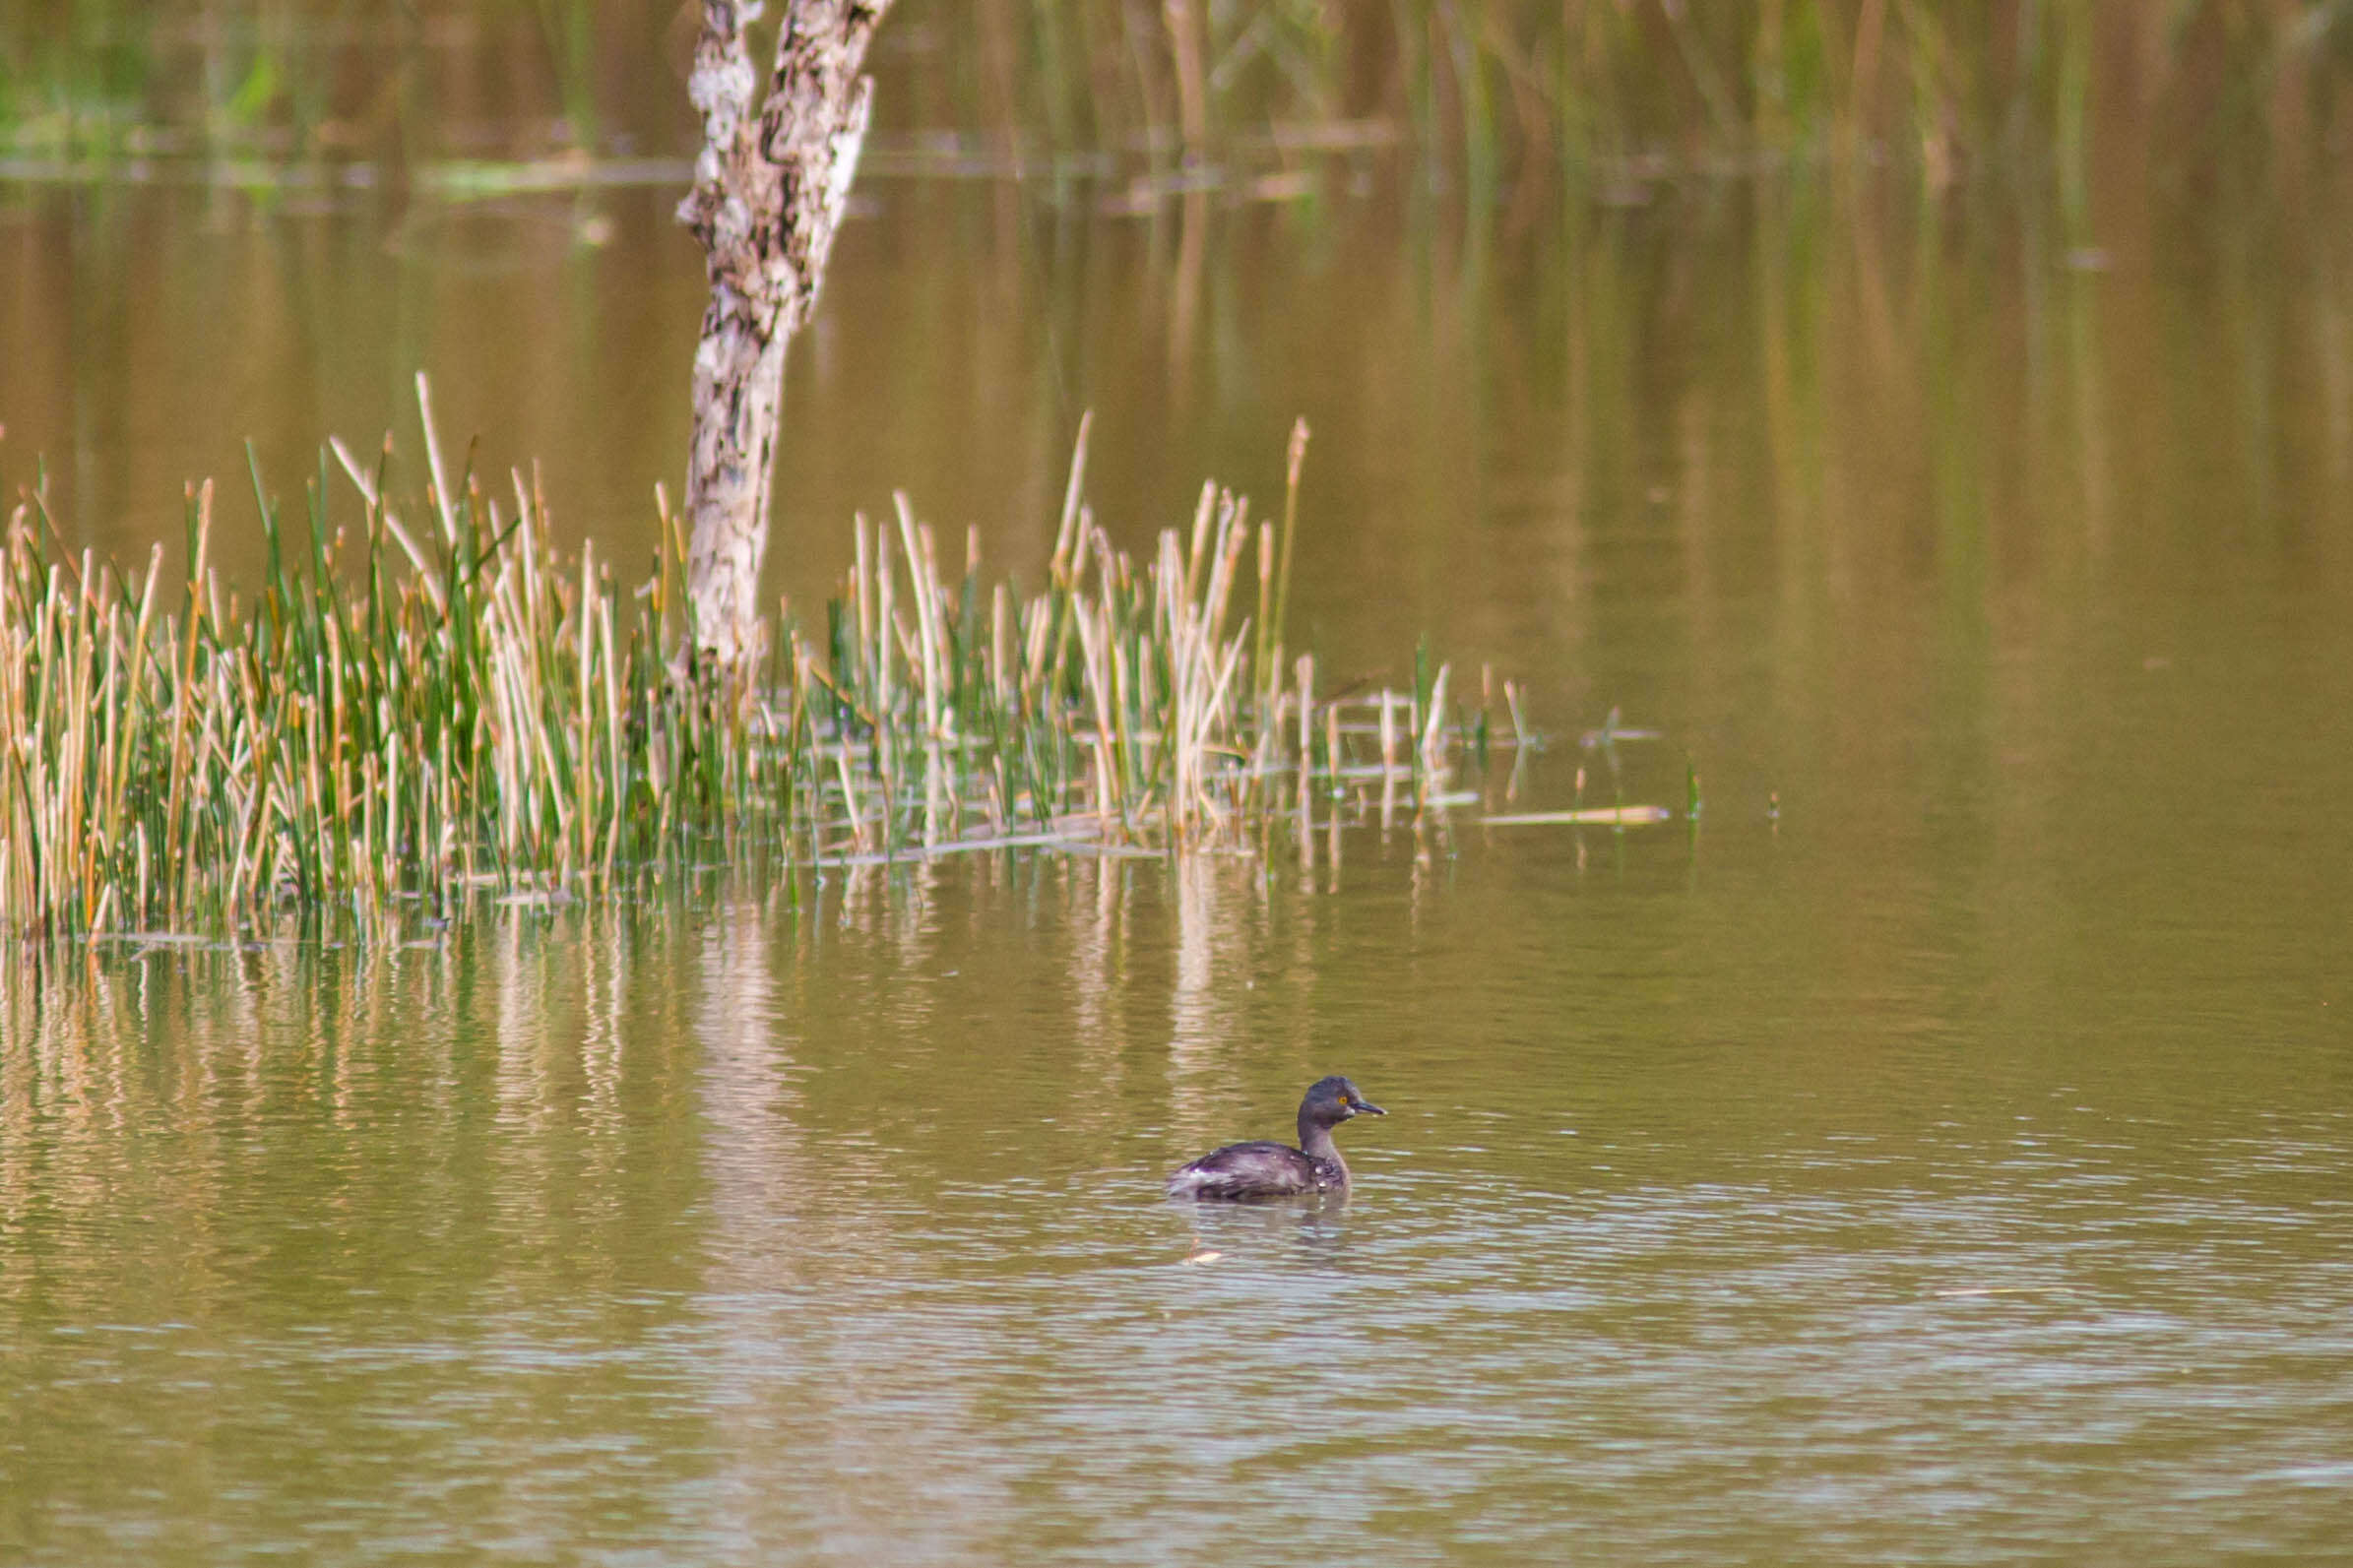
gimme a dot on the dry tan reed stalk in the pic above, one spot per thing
(921, 574)
(1095, 662)
(443, 502)
(379, 513)
(1062, 567)
(1433, 734)
(1307, 711)
(494, 712)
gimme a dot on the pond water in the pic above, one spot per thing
(1941, 1150)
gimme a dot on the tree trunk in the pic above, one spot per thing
(769, 192)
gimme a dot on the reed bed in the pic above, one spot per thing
(437, 700)
(1497, 94)
(1510, 101)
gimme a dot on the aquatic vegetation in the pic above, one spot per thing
(1496, 99)
(416, 704)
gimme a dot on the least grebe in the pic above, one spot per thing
(1274, 1171)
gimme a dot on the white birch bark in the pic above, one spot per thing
(770, 188)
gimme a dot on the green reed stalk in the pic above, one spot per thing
(386, 720)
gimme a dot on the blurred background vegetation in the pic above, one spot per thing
(1499, 101)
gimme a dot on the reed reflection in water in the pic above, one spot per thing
(721, 1228)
